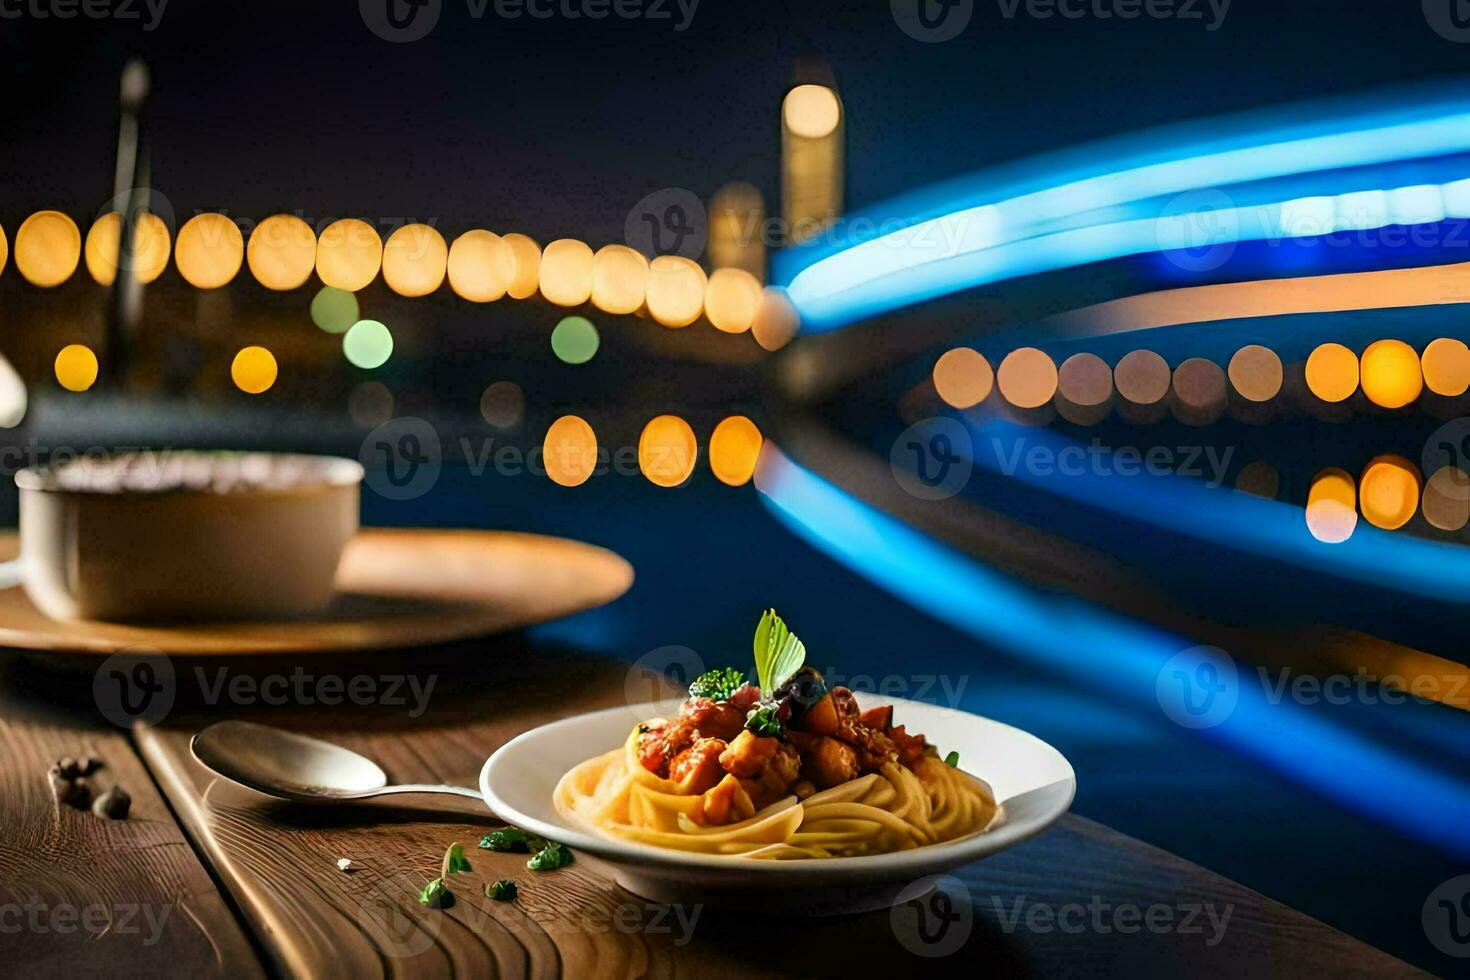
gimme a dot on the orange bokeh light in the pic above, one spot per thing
(1332, 506)
(963, 377)
(1388, 492)
(1391, 375)
(569, 451)
(734, 447)
(667, 451)
(1332, 372)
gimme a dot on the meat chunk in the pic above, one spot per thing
(748, 754)
(654, 751)
(766, 767)
(745, 697)
(828, 762)
(845, 703)
(697, 768)
(911, 748)
(704, 718)
(873, 747)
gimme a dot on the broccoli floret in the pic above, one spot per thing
(718, 684)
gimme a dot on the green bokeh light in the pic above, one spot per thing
(574, 340)
(334, 310)
(368, 344)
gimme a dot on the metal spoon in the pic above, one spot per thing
(297, 768)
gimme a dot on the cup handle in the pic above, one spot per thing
(10, 574)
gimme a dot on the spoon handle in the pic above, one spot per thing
(473, 794)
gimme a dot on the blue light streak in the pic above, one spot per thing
(978, 232)
(1113, 654)
(1265, 528)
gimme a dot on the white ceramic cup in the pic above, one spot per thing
(242, 548)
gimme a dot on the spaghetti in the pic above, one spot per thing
(893, 809)
(797, 773)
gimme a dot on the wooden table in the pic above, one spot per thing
(214, 880)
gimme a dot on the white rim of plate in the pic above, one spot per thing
(949, 853)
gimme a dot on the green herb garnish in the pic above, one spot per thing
(952, 760)
(718, 684)
(454, 861)
(763, 721)
(436, 895)
(550, 857)
(503, 890)
(778, 653)
(511, 840)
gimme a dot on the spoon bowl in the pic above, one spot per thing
(295, 767)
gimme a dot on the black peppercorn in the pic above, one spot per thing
(77, 793)
(113, 804)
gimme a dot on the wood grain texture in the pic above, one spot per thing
(1028, 911)
(396, 588)
(81, 895)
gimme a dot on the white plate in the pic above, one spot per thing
(1033, 782)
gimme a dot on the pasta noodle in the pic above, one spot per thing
(893, 809)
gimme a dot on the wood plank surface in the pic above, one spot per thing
(84, 896)
(1079, 900)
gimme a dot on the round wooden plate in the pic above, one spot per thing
(396, 588)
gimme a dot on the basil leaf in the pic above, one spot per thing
(512, 841)
(778, 653)
(503, 890)
(550, 857)
(454, 861)
(436, 895)
(763, 722)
